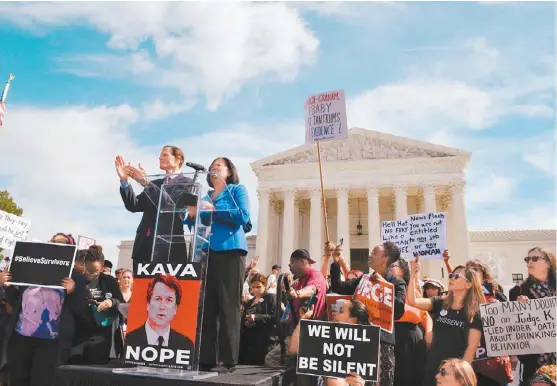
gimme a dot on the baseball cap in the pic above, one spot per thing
(434, 283)
(276, 266)
(300, 254)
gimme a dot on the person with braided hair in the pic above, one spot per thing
(94, 334)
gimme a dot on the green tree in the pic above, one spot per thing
(7, 204)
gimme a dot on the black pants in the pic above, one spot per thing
(94, 350)
(31, 360)
(220, 335)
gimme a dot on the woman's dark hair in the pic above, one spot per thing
(232, 172)
(391, 251)
(259, 277)
(359, 311)
(94, 254)
(403, 264)
(69, 238)
(177, 153)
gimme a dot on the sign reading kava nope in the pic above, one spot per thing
(182, 271)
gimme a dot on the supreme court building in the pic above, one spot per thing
(368, 178)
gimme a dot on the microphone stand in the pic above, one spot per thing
(192, 242)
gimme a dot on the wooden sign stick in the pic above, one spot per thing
(323, 191)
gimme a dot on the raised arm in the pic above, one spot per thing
(413, 300)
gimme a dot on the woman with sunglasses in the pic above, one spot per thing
(456, 372)
(40, 330)
(539, 284)
(457, 324)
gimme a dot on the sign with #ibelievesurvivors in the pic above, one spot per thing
(325, 116)
(515, 328)
(337, 349)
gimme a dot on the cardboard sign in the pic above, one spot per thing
(12, 228)
(325, 116)
(85, 242)
(337, 349)
(378, 297)
(41, 264)
(424, 234)
(515, 328)
(162, 319)
(334, 302)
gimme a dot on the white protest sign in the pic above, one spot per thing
(325, 116)
(12, 229)
(399, 233)
(515, 328)
(428, 235)
(85, 242)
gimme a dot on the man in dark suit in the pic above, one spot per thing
(170, 223)
(163, 298)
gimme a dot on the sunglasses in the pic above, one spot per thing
(457, 276)
(533, 258)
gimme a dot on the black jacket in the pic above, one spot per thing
(73, 309)
(176, 341)
(348, 287)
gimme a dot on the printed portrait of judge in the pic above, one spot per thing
(163, 299)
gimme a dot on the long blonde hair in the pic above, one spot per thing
(463, 372)
(474, 295)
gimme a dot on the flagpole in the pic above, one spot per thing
(7, 88)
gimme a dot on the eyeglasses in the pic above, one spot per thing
(457, 276)
(443, 372)
(533, 258)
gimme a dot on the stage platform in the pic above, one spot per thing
(104, 376)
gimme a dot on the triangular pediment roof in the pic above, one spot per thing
(361, 144)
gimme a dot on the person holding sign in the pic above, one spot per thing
(457, 327)
(539, 284)
(377, 297)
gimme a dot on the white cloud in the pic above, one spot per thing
(497, 189)
(159, 110)
(542, 156)
(199, 48)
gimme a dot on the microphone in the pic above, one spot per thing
(196, 167)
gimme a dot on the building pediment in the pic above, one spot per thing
(362, 145)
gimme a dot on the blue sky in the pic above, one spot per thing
(98, 79)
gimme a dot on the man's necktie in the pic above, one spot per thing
(167, 180)
(160, 340)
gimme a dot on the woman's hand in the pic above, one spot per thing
(446, 255)
(5, 276)
(104, 305)
(415, 267)
(121, 168)
(206, 206)
(355, 380)
(192, 211)
(523, 299)
(308, 314)
(68, 284)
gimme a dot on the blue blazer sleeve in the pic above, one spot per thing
(226, 211)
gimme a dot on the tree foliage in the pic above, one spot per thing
(7, 204)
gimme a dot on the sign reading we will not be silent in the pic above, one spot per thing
(325, 116)
(337, 349)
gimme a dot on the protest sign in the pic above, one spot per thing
(378, 297)
(325, 116)
(481, 351)
(424, 234)
(85, 242)
(166, 296)
(334, 302)
(12, 229)
(337, 349)
(41, 264)
(515, 328)
(398, 232)
(427, 235)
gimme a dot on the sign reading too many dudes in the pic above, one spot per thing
(515, 328)
(338, 349)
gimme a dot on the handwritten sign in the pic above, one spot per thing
(337, 349)
(325, 116)
(427, 235)
(12, 229)
(424, 234)
(515, 328)
(399, 233)
(85, 242)
(378, 297)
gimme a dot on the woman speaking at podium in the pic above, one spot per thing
(225, 271)
(171, 160)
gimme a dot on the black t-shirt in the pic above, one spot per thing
(450, 336)
(95, 292)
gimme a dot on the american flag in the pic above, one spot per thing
(2, 112)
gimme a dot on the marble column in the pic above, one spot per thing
(430, 203)
(288, 225)
(401, 203)
(263, 229)
(316, 243)
(343, 217)
(373, 217)
(460, 230)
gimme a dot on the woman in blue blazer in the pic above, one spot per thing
(228, 248)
